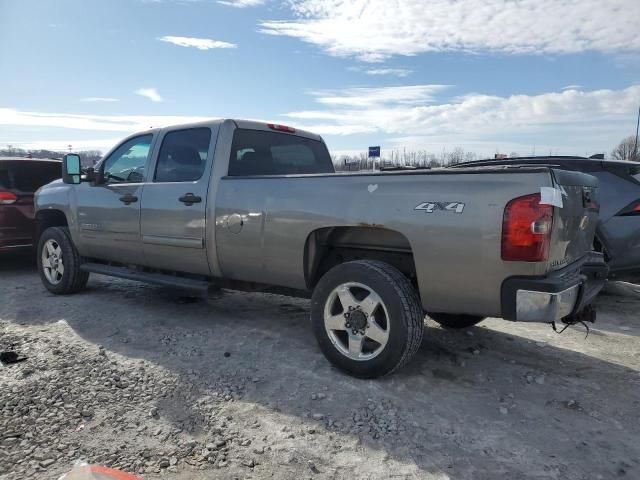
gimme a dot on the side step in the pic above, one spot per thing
(165, 280)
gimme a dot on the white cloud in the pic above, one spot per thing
(99, 99)
(241, 3)
(398, 72)
(110, 123)
(572, 87)
(373, 30)
(571, 117)
(150, 93)
(372, 97)
(199, 43)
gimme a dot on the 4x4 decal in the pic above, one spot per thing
(430, 207)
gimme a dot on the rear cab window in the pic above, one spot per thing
(258, 152)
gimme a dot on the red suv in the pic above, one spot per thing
(19, 179)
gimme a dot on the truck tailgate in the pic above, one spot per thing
(576, 209)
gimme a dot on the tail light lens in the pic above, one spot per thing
(7, 198)
(630, 210)
(526, 229)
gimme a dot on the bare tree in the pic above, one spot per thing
(627, 150)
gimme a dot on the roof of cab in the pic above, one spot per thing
(239, 123)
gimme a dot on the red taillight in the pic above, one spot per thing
(7, 198)
(281, 128)
(631, 210)
(526, 229)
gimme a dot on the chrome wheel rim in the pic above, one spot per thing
(52, 262)
(356, 321)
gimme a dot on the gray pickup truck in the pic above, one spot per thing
(258, 207)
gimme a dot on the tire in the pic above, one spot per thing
(384, 304)
(452, 320)
(56, 248)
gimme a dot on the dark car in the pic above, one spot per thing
(618, 232)
(19, 179)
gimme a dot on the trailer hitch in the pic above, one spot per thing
(587, 314)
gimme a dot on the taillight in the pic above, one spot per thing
(281, 128)
(630, 210)
(526, 229)
(7, 198)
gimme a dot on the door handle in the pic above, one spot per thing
(128, 198)
(189, 199)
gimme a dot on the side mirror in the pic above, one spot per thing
(71, 169)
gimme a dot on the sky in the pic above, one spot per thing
(491, 76)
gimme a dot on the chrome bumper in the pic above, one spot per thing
(559, 295)
(533, 306)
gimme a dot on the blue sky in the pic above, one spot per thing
(559, 76)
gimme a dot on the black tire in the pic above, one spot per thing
(73, 279)
(405, 316)
(452, 320)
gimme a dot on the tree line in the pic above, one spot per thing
(88, 157)
(627, 149)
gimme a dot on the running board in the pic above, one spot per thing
(163, 279)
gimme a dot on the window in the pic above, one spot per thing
(257, 152)
(127, 163)
(5, 179)
(183, 155)
(32, 175)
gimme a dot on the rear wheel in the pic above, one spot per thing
(451, 320)
(367, 318)
(59, 262)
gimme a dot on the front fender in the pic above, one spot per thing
(60, 197)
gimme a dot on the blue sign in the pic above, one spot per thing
(374, 151)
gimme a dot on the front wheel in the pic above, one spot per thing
(367, 318)
(59, 262)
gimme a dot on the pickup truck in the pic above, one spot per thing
(258, 207)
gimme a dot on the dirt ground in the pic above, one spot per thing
(135, 377)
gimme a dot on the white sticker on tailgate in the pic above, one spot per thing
(551, 196)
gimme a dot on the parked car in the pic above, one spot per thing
(19, 179)
(253, 206)
(618, 230)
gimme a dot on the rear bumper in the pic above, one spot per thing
(561, 294)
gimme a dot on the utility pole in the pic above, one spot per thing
(635, 145)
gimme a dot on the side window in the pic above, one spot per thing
(127, 163)
(258, 152)
(183, 155)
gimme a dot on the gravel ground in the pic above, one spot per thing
(139, 378)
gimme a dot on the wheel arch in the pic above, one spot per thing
(48, 218)
(327, 247)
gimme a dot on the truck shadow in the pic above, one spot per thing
(483, 405)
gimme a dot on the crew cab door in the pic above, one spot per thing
(109, 213)
(174, 202)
